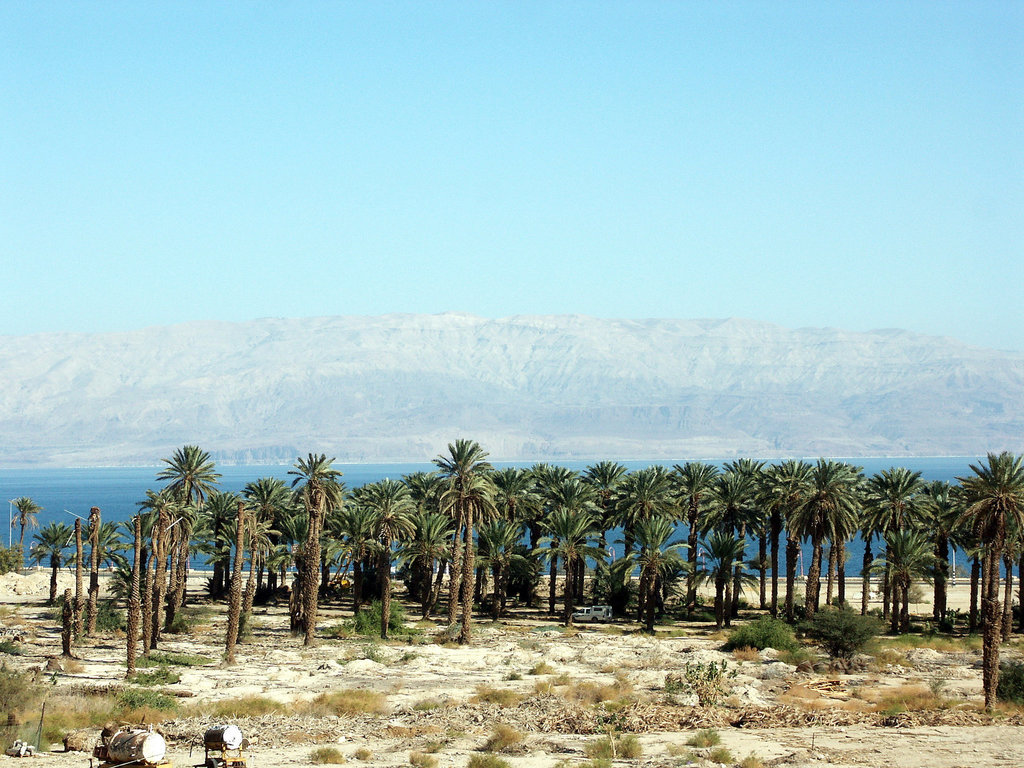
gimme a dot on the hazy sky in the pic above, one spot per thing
(858, 165)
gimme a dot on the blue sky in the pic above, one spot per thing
(857, 165)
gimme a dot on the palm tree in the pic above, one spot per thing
(731, 509)
(350, 543)
(941, 513)
(643, 494)
(831, 507)
(657, 559)
(270, 502)
(27, 511)
(782, 490)
(425, 488)
(392, 507)
(892, 496)
(994, 496)
(51, 542)
(723, 550)
(693, 483)
(214, 524)
(235, 599)
(319, 488)
(498, 540)
(605, 477)
(190, 477)
(572, 532)
(910, 556)
(163, 509)
(468, 497)
(430, 546)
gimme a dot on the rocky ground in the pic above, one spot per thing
(557, 692)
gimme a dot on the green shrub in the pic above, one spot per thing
(10, 559)
(720, 755)
(487, 761)
(11, 647)
(110, 617)
(140, 698)
(160, 658)
(367, 621)
(16, 689)
(1011, 682)
(707, 738)
(766, 632)
(841, 633)
(158, 676)
(708, 680)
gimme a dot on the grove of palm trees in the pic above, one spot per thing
(472, 555)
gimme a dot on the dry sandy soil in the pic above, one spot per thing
(435, 695)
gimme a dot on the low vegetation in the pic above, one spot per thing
(766, 632)
(503, 739)
(326, 756)
(841, 633)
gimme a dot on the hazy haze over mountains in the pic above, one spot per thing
(400, 387)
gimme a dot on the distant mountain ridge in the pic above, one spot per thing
(400, 387)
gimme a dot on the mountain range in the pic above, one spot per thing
(400, 387)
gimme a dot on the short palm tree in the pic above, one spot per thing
(782, 490)
(994, 498)
(723, 551)
(50, 543)
(27, 511)
(429, 546)
(909, 556)
(893, 497)
(692, 486)
(498, 540)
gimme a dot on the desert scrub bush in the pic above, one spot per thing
(503, 697)
(70, 712)
(592, 693)
(909, 698)
(841, 633)
(746, 654)
(513, 676)
(1011, 682)
(766, 632)
(138, 699)
(422, 760)
(503, 738)
(425, 705)
(12, 648)
(157, 676)
(798, 656)
(367, 621)
(720, 755)
(348, 701)
(708, 681)
(611, 748)
(326, 756)
(362, 754)
(541, 668)
(705, 739)
(243, 706)
(886, 657)
(189, 619)
(10, 559)
(169, 658)
(750, 761)
(486, 761)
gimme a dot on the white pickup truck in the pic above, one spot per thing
(593, 613)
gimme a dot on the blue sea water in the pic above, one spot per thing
(63, 493)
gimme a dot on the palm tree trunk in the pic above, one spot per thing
(1008, 597)
(813, 592)
(310, 579)
(886, 585)
(468, 572)
(728, 602)
(691, 542)
(134, 607)
(570, 590)
(894, 621)
(235, 601)
(776, 531)
(21, 542)
(553, 577)
(905, 609)
(841, 575)
(94, 569)
(941, 576)
(792, 553)
(865, 577)
(991, 621)
(67, 616)
(357, 585)
(434, 593)
(972, 620)
(1020, 589)
(833, 569)
(384, 576)
(455, 573)
(762, 567)
(54, 567)
(147, 605)
(79, 596)
(251, 585)
(721, 579)
(652, 605)
(159, 583)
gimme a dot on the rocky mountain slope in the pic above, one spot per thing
(402, 386)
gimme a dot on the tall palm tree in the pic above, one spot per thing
(27, 511)
(644, 494)
(319, 488)
(214, 525)
(191, 477)
(351, 537)
(994, 496)
(693, 482)
(832, 505)
(498, 540)
(392, 507)
(893, 497)
(270, 502)
(50, 543)
(657, 558)
(731, 510)
(783, 489)
(430, 546)
(425, 488)
(941, 514)
(605, 477)
(468, 497)
(572, 538)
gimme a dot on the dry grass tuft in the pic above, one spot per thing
(326, 756)
(244, 706)
(486, 761)
(503, 697)
(362, 754)
(746, 654)
(422, 760)
(720, 755)
(541, 668)
(504, 738)
(704, 739)
(622, 748)
(750, 761)
(348, 701)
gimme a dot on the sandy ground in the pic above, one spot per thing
(431, 693)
